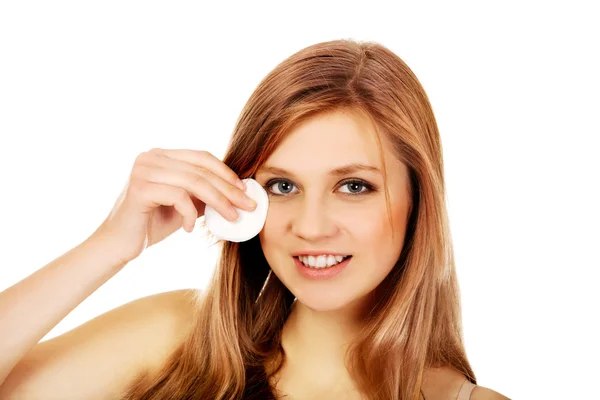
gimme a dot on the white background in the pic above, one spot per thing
(86, 86)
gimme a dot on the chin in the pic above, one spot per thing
(322, 302)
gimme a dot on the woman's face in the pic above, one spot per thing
(327, 196)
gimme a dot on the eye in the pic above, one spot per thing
(356, 186)
(279, 187)
(284, 187)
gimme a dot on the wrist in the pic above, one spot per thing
(105, 245)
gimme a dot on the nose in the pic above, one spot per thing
(313, 220)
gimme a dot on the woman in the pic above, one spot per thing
(342, 137)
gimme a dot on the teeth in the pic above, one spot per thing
(331, 260)
(322, 261)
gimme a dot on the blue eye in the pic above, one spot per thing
(356, 187)
(283, 187)
(279, 187)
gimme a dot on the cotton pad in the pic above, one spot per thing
(248, 224)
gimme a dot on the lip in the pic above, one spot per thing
(318, 253)
(323, 273)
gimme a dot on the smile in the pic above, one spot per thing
(319, 273)
(321, 261)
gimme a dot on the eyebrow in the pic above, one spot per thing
(343, 170)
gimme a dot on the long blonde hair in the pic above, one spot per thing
(416, 323)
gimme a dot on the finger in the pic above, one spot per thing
(205, 160)
(194, 184)
(236, 196)
(155, 195)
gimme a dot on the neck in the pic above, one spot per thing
(315, 344)
(320, 339)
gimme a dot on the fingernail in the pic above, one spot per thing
(233, 213)
(250, 202)
(241, 185)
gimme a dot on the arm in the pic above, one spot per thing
(101, 358)
(166, 189)
(32, 307)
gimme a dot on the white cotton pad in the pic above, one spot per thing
(248, 224)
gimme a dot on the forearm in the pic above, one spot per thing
(32, 307)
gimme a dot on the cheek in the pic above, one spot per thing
(277, 218)
(378, 240)
(274, 227)
(369, 226)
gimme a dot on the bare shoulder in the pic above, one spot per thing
(483, 393)
(99, 359)
(443, 383)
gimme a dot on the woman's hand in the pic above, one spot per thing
(168, 189)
